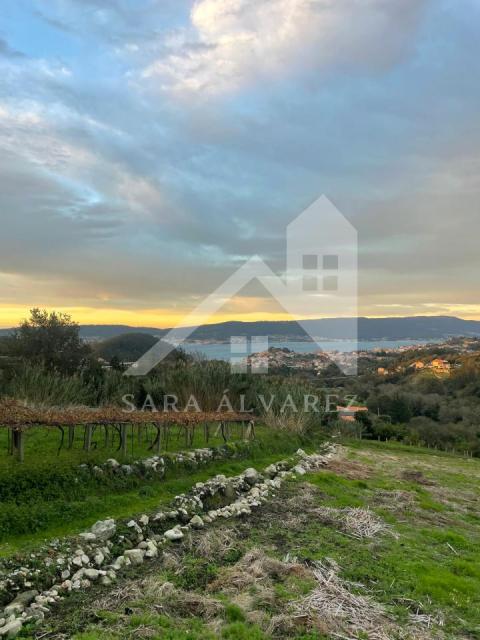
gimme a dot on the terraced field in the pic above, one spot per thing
(46, 497)
(380, 544)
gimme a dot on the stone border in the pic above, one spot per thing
(35, 568)
(157, 465)
(110, 546)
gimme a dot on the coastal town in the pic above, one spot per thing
(439, 359)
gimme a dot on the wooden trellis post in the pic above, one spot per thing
(71, 436)
(9, 441)
(159, 440)
(18, 444)
(88, 438)
(167, 436)
(251, 430)
(123, 437)
(21, 446)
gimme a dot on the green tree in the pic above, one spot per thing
(51, 340)
(400, 410)
(396, 406)
(116, 364)
(365, 423)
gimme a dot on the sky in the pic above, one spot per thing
(148, 148)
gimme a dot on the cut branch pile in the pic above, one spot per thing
(354, 521)
(333, 601)
(351, 616)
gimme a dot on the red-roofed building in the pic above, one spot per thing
(347, 414)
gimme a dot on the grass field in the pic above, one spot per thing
(418, 577)
(42, 445)
(41, 498)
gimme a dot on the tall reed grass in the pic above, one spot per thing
(280, 401)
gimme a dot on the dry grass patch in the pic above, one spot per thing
(118, 596)
(334, 606)
(188, 604)
(354, 521)
(397, 501)
(415, 475)
(461, 502)
(255, 569)
(214, 544)
(349, 469)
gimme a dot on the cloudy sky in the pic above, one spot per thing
(149, 147)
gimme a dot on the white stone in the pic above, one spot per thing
(78, 575)
(42, 608)
(91, 574)
(13, 608)
(299, 470)
(197, 522)
(135, 555)
(11, 629)
(88, 536)
(271, 470)
(104, 529)
(251, 475)
(119, 563)
(152, 551)
(173, 534)
(133, 525)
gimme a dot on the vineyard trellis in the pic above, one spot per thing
(17, 419)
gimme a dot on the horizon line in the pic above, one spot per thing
(365, 317)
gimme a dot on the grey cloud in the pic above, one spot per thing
(116, 22)
(7, 51)
(209, 183)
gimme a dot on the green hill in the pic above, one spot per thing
(127, 347)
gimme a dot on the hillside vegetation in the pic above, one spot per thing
(127, 347)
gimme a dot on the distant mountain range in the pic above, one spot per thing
(416, 327)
